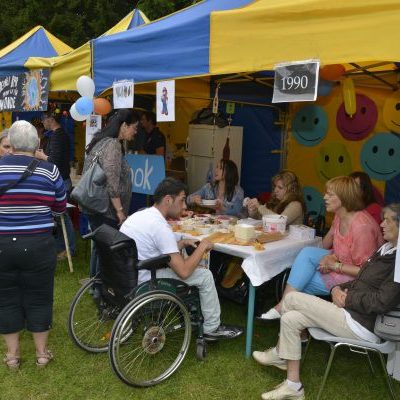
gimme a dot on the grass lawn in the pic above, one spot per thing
(225, 374)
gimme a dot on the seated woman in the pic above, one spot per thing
(224, 189)
(368, 196)
(287, 199)
(351, 315)
(353, 237)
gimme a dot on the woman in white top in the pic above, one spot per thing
(287, 199)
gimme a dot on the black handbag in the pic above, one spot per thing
(387, 326)
(91, 193)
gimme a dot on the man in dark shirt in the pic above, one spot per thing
(155, 139)
(58, 152)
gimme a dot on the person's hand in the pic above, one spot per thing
(190, 242)
(121, 217)
(39, 154)
(196, 199)
(252, 205)
(187, 213)
(206, 245)
(339, 296)
(219, 204)
(327, 263)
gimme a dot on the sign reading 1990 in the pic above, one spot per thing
(296, 81)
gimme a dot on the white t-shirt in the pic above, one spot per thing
(152, 234)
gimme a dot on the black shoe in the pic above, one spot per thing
(224, 332)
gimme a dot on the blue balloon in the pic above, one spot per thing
(84, 106)
(324, 87)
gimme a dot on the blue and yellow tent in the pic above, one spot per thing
(66, 69)
(37, 42)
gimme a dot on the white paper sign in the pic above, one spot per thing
(123, 94)
(166, 101)
(93, 124)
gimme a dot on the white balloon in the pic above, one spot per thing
(85, 86)
(75, 115)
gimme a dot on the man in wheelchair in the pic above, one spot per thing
(153, 236)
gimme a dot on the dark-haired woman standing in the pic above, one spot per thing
(224, 189)
(108, 145)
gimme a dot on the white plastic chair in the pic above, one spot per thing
(356, 346)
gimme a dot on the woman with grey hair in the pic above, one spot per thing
(30, 191)
(5, 147)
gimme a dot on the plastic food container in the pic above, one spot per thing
(204, 229)
(206, 202)
(274, 223)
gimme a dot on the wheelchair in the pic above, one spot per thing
(145, 328)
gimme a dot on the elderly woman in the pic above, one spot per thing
(353, 237)
(28, 252)
(351, 315)
(287, 199)
(5, 147)
(225, 189)
(108, 144)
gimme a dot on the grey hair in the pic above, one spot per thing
(3, 135)
(394, 207)
(23, 136)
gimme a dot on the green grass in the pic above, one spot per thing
(225, 374)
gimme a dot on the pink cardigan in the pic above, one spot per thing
(362, 239)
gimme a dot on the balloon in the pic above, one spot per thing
(75, 115)
(324, 87)
(332, 72)
(85, 86)
(102, 106)
(84, 106)
(349, 96)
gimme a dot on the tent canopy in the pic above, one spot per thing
(37, 42)
(268, 32)
(66, 69)
(176, 46)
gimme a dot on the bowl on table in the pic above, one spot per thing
(208, 203)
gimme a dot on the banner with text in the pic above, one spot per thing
(25, 92)
(147, 172)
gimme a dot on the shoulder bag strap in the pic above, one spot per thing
(28, 172)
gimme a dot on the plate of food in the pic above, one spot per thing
(208, 203)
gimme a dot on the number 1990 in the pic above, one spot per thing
(294, 82)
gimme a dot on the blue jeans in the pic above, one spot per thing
(59, 237)
(304, 276)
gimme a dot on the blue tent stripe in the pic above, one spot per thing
(175, 46)
(136, 20)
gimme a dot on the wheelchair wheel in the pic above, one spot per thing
(201, 349)
(91, 319)
(159, 336)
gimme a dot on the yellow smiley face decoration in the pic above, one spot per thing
(391, 113)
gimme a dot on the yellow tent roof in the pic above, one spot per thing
(268, 32)
(66, 69)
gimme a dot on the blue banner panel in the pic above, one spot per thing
(147, 172)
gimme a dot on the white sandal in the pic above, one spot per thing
(270, 315)
(47, 356)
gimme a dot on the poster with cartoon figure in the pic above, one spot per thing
(123, 94)
(93, 124)
(166, 101)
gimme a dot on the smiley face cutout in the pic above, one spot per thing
(361, 124)
(310, 125)
(391, 113)
(332, 160)
(315, 204)
(380, 156)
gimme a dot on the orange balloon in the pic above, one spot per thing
(102, 106)
(332, 72)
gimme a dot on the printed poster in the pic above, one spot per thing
(165, 101)
(93, 124)
(25, 92)
(123, 94)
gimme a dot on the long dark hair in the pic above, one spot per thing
(231, 177)
(293, 191)
(366, 187)
(111, 130)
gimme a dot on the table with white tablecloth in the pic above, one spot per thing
(262, 266)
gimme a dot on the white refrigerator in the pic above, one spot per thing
(205, 146)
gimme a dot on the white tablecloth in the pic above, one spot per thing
(261, 266)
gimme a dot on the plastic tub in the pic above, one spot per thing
(274, 223)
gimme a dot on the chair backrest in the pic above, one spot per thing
(117, 260)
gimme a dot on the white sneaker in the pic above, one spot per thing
(270, 315)
(270, 358)
(284, 392)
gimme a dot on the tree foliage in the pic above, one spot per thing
(75, 21)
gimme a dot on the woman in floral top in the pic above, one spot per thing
(224, 189)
